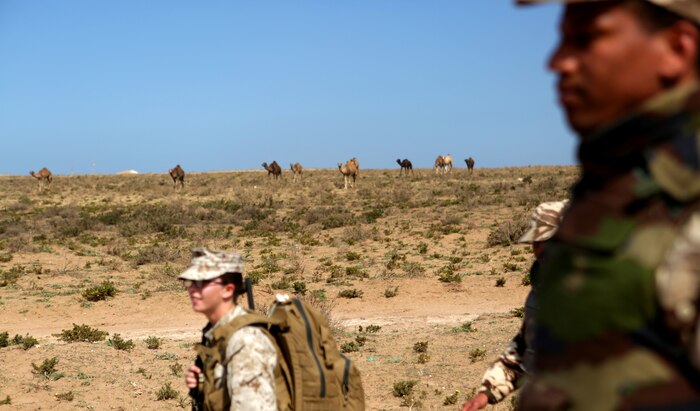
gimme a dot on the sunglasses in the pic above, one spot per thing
(199, 284)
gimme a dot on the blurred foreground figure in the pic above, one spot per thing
(509, 371)
(619, 293)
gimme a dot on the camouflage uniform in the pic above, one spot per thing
(619, 295)
(251, 358)
(250, 371)
(509, 371)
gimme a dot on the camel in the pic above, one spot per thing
(296, 169)
(405, 165)
(470, 164)
(357, 165)
(44, 176)
(273, 170)
(448, 163)
(178, 175)
(350, 170)
(439, 165)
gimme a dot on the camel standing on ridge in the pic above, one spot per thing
(178, 176)
(448, 162)
(273, 170)
(405, 166)
(44, 176)
(357, 165)
(297, 170)
(350, 170)
(470, 165)
(439, 165)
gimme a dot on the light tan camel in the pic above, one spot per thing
(357, 165)
(405, 166)
(297, 170)
(44, 176)
(178, 175)
(448, 163)
(350, 170)
(439, 165)
(470, 165)
(273, 170)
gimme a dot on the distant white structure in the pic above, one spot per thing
(128, 172)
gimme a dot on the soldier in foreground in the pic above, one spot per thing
(509, 371)
(617, 327)
(214, 282)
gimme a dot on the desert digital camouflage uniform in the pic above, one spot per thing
(247, 371)
(250, 366)
(617, 327)
(509, 371)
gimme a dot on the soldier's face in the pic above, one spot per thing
(207, 297)
(607, 63)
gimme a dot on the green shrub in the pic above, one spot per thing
(464, 328)
(349, 347)
(420, 346)
(518, 312)
(448, 277)
(167, 392)
(404, 388)
(65, 396)
(508, 232)
(423, 358)
(120, 344)
(352, 256)
(100, 292)
(25, 342)
(477, 354)
(6, 401)
(510, 266)
(422, 248)
(372, 328)
(47, 369)
(83, 333)
(153, 342)
(500, 282)
(390, 293)
(4, 339)
(526, 280)
(354, 293)
(176, 369)
(451, 399)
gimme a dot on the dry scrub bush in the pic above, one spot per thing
(508, 232)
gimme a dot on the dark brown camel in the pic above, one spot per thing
(405, 165)
(273, 169)
(470, 164)
(178, 176)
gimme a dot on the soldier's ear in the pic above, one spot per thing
(680, 58)
(228, 291)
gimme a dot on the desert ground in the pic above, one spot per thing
(420, 276)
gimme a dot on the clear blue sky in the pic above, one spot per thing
(102, 86)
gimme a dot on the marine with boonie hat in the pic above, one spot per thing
(619, 293)
(508, 373)
(207, 265)
(245, 378)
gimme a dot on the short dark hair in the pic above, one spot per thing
(655, 18)
(237, 280)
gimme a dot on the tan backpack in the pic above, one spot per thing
(311, 374)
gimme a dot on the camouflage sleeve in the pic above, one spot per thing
(251, 371)
(504, 375)
(678, 288)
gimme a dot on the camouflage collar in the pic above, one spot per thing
(659, 141)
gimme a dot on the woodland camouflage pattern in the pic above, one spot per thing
(249, 372)
(620, 280)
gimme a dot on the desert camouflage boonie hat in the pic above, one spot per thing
(207, 265)
(545, 221)
(690, 9)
